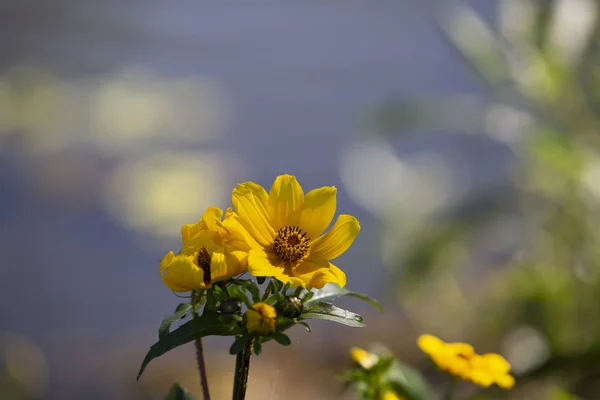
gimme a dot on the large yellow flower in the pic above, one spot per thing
(285, 227)
(213, 250)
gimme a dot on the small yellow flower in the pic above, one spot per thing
(491, 368)
(286, 227)
(213, 250)
(260, 319)
(389, 395)
(460, 359)
(363, 358)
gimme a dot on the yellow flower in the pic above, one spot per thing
(260, 319)
(389, 395)
(491, 368)
(213, 250)
(460, 359)
(363, 358)
(450, 357)
(285, 228)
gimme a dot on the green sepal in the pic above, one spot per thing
(327, 311)
(283, 323)
(282, 338)
(180, 312)
(178, 392)
(332, 291)
(205, 325)
(229, 319)
(238, 345)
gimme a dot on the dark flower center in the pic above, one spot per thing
(291, 244)
(204, 264)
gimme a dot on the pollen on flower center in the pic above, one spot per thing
(204, 264)
(291, 244)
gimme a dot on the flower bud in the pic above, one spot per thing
(230, 306)
(260, 319)
(290, 307)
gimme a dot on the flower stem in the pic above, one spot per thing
(197, 299)
(202, 368)
(242, 368)
(451, 386)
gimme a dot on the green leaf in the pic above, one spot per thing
(254, 291)
(204, 325)
(238, 345)
(177, 392)
(282, 338)
(261, 279)
(408, 382)
(257, 346)
(327, 311)
(180, 312)
(306, 325)
(332, 291)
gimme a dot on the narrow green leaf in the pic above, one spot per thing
(261, 279)
(204, 325)
(177, 392)
(180, 312)
(254, 291)
(306, 325)
(332, 291)
(238, 345)
(282, 338)
(327, 311)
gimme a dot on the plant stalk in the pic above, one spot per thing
(242, 368)
(202, 368)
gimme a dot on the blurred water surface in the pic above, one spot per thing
(88, 183)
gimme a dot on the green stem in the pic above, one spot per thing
(202, 369)
(451, 387)
(242, 368)
(197, 298)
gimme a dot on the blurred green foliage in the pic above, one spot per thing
(540, 62)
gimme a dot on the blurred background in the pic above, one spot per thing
(463, 135)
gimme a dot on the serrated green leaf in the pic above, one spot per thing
(332, 291)
(180, 312)
(282, 338)
(238, 345)
(177, 392)
(329, 312)
(408, 382)
(204, 325)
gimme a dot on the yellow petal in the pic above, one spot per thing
(218, 266)
(238, 238)
(495, 363)
(236, 261)
(505, 381)
(253, 215)
(164, 264)
(212, 219)
(481, 378)
(430, 344)
(332, 275)
(183, 272)
(264, 263)
(318, 211)
(338, 239)
(286, 200)
(316, 272)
